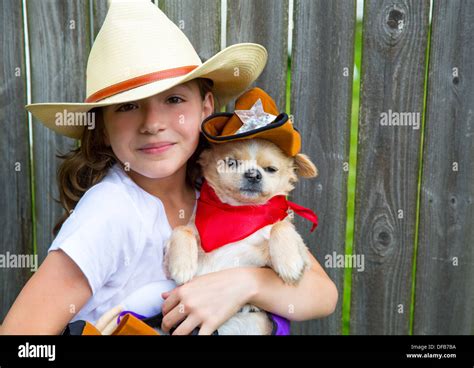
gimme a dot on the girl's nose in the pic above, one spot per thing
(153, 121)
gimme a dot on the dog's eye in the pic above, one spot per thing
(271, 169)
(231, 162)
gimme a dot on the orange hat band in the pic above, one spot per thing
(139, 81)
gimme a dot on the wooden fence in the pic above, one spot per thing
(414, 212)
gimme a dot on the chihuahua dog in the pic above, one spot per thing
(242, 173)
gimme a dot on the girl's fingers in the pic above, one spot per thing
(187, 326)
(175, 316)
(206, 330)
(170, 302)
(107, 317)
(110, 328)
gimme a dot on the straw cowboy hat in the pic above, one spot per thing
(256, 116)
(140, 52)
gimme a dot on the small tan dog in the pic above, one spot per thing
(267, 172)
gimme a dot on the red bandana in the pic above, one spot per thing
(220, 223)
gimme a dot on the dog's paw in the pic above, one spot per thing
(290, 270)
(182, 255)
(288, 254)
(183, 272)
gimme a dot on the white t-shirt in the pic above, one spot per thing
(116, 235)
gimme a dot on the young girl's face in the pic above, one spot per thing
(157, 135)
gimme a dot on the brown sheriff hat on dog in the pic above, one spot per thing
(255, 116)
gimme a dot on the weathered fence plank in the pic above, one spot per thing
(59, 45)
(321, 96)
(200, 22)
(264, 22)
(444, 298)
(99, 11)
(15, 197)
(393, 69)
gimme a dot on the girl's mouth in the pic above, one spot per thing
(156, 148)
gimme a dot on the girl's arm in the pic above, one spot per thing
(50, 298)
(209, 300)
(315, 296)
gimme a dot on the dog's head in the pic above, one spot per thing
(252, 171)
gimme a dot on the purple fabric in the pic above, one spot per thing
(282, 325)
(139, 316)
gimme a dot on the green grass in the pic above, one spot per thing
(346, 298)
(418, 195)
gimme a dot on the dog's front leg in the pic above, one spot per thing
(181, 254)
(288, 253)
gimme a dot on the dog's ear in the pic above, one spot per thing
(304, 166)
(204, 157)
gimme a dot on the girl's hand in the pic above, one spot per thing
(207, 301)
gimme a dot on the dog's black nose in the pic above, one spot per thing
(253, 175)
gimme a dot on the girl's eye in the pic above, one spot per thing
(126, 107)
(271, 169)
(175, 100)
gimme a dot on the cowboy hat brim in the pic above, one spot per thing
(280, 131)
(246, 59)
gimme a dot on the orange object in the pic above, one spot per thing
(131, 325)
(90, 329)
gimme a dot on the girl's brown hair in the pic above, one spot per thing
(87, 165)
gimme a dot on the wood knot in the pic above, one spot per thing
(384, 238)
(393, 22)
(395, 18)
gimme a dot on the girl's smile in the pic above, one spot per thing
(156, 148)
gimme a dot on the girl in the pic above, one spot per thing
(133, 180)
